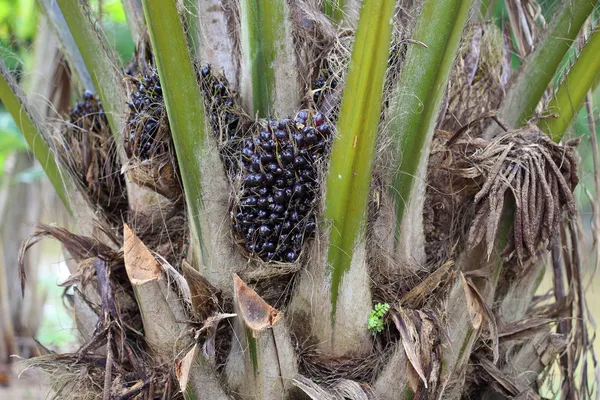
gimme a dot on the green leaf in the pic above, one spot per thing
(30, 125)
(375, 324)
(573, 89)
(184, 105)
(539, 68)
(420, 90)
(333, 9)
(349, 175)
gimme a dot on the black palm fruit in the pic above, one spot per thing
(88, 115)
(225, 113)
(279, 169)
(147, 113)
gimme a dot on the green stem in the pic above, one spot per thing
(573, 89)
(349, 175)
(539, 68)
(184, 105)
(269, 57)
(421, 89)
(60, 28)
(17, 105)
(100, 61)
(333, 9)
(192, 24)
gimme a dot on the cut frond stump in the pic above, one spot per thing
(262, 362)
(165, 335)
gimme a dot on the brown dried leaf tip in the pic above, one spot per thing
(541, 176)
(479, 313)
(140, 264)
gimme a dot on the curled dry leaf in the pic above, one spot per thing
(79, 247)
(419, 333)
(255, 312)
(480, 312)
(210, 327)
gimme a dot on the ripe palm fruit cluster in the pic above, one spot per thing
(147, 112)
(87, 115)
(92, 155)
(221, 106)
(279, 169)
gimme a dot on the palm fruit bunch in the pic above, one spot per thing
(221, 105)
(322, 83)
(280, 182)
(88, 115)
(92, 154)
(147, 114)
(225, 115)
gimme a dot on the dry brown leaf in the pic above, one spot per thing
(183, 367)
(140, 264)
(418, 332)
(205, 297)
(418, 294)
(499, 377)
(210, 327)
(480, 312)
(476, 311)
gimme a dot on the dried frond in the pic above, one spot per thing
(541, 176)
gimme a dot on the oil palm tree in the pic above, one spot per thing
(326, 200)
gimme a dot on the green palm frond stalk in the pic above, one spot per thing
(572, 91)
(269, 83)
(420, 91)
(99, 58)
(15, 101)
(184, 105)
(539, 68)
(349, 175)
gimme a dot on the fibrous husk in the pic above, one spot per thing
(330, 77)
(478, 78)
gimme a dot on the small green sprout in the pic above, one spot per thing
(376, 317)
